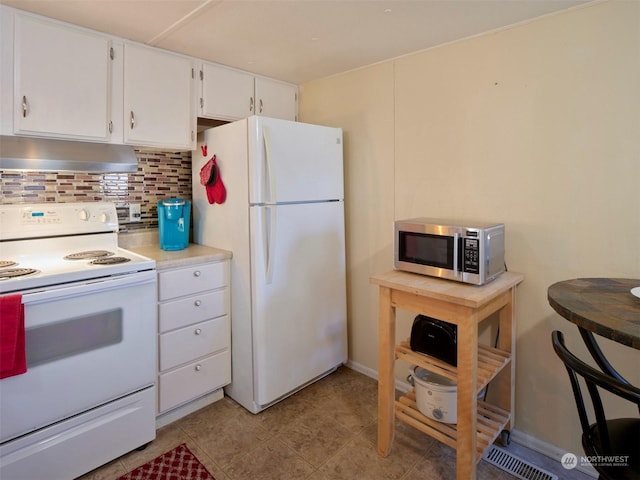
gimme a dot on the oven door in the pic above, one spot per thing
(87, 344)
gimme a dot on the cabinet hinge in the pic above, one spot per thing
(193, 73)
(201, 102)
(201, 74)
(112, 53)
(110, 127)
(295, 96)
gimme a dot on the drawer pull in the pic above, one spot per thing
(198, 367)
(197, 303)
(198, 331)
(196, 273)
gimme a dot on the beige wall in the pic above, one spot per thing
(536, 126)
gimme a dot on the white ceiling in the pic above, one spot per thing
(294, 40)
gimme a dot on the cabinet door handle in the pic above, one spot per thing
(196, 273)
(132, 120)
(198, 367)
(260, 105)
(197, 331)
(251, 104)
(25, 106)
(197, 303)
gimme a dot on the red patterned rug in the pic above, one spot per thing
(177, 464)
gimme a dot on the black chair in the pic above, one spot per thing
(606, 437)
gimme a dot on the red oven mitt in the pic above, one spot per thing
(208, 172)
(210, 178)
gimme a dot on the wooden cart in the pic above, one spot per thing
(479, 422)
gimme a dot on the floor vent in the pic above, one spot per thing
(515, 466)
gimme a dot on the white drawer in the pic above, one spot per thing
(194, 380)
(196, 308)
(186, 344)
(190, 280)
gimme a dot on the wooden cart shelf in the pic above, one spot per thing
(491, 420)
(490, 362)
(479, 423)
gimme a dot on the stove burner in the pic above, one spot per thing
(7, 263)
(17, 272)
(88, 255)
(110, 260)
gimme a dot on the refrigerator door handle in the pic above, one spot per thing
(269, 181)
(268, 242)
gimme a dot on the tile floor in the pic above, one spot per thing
(325, 432)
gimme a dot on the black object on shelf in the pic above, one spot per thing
(436, 338)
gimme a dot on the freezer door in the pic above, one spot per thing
(293, 162)
(299, 302)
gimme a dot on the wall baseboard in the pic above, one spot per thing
(548, 450)
(521, 438)
(193, 406)
(369, 372)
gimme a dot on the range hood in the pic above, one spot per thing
(31, 153)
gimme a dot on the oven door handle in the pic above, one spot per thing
(89, 286)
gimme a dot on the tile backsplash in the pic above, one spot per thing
(160, 175)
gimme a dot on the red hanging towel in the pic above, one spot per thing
(13, 358)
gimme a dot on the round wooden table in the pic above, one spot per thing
(604, 306)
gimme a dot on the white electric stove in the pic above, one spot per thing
(90, 321)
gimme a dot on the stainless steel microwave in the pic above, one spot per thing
(468, 252)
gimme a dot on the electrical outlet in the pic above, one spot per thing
(134, 212)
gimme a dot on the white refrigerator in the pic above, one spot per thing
(283, 219)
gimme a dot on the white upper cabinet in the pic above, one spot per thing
(276, 99)
(230, 94)
(158, 98)
(227, 94)
(62, 81)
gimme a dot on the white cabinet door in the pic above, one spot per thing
(227, 94)
(62, 81)
(6, 70)
(276, 99)
(158, 98)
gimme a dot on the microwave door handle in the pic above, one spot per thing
(456, 243)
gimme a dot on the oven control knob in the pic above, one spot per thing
(104, 218)
(84, 214)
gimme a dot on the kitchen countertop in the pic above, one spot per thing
(146, 244)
